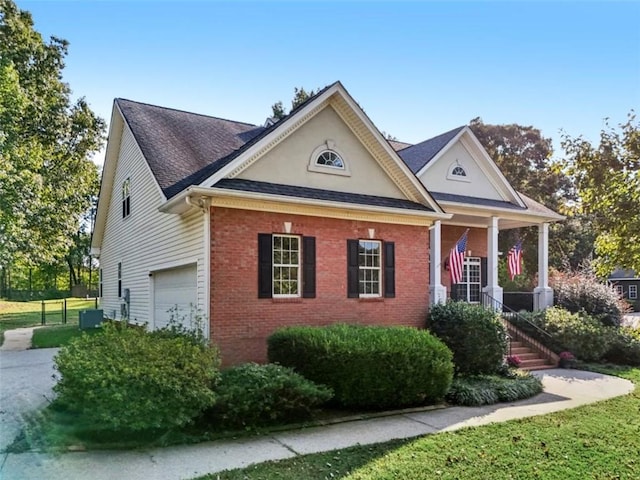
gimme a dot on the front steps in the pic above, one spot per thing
(531, 360)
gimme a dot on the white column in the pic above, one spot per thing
(438, 293)
(543, 294)
(493, 289)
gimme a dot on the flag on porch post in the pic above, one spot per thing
(456, 258)
(514, 260)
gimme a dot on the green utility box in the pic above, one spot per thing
(90, 319)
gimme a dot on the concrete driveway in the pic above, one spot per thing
(25, 385)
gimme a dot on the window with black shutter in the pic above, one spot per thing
(370, 269)
(286, 266)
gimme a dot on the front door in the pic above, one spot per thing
(470, 288)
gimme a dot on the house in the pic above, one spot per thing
(313, 219)
(627, 284)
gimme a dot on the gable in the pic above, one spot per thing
(293, 161)
(441, 176)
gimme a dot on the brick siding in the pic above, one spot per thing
(241, 322)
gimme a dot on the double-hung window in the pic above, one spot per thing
(286, 266)
(370, 269)
(633, 292)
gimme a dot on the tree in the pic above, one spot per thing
(46, 176)
(300, 95)
(524, 157)
(607, 181)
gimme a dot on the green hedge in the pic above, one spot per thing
(474, 334)
(490, 389)
(625, 347)
(579, 333)
(129, 379)
(251, 395)
(367, 367)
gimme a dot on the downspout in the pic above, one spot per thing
(203, 204)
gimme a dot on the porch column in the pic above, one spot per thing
(493, 289)
(543, 294)
(437, 292)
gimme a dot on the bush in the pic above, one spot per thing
(581, 291)
(127, 379)
(367, 367)
(625, 348)
(490, 389)
(581, 334)
(474, 334)
(252, 395)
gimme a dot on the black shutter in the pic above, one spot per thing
(483, 271)
(309, 267)
(389, 270)
(352, 269)
(265, 265)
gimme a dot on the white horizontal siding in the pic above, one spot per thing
(147, 240)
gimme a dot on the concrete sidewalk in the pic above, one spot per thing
(562, 389)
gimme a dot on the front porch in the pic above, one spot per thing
(481, 259)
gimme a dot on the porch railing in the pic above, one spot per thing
(508, 315)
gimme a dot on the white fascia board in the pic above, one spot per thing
(431, 202)
(502, 182)
(282, 125)
(179, 205)
(108, 172)
(442, 151)
(506, 213)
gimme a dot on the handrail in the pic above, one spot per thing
(498, 305)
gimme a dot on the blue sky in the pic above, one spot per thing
(417, 68)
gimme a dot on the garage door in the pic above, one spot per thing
(175, 295)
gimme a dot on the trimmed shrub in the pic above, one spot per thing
(581, 291)
(625, 347)
(251, 395)
(366, 366)
(581, 334)
(490, 389)
(474, 334)
(128, 379)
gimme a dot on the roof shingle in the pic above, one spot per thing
(180, 147)
(317, 194)
(418, 155)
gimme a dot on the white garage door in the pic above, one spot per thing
(175, 295)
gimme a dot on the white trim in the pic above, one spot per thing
(177, 205)
(286, 265)
(171, 265)
(206, 244)
(455, 177)
(635, 292)
(328, 146)
(475, 149)
(291, 123)
(378, 269)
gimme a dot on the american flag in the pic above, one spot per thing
(456, 258)
(514, 260)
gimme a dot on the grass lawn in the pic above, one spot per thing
(57, 336)
(28, 314)
(598, 441)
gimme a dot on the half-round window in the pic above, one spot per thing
(329, 158)
(458, 171)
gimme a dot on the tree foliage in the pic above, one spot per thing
(524, 157)
(300, 95)
(46, 176)
(607, 181)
